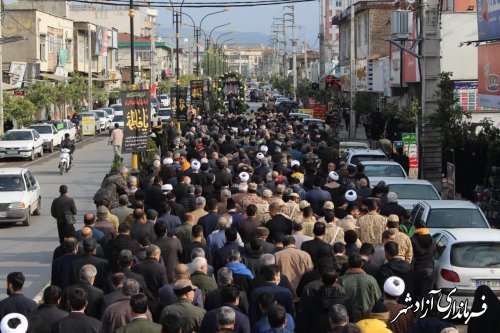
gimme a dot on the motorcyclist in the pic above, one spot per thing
(68, 144)
(75, 120)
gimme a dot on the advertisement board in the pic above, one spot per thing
(489, 75)
(410, 148)
(395, 66)
(488, 19)
(136, 113)
(196, 92)
(88, 125)
(181, 114)
(466, 93)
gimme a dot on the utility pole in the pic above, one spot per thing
(131, 14)
(152, 60)
(89, 81)
(352, 70)
(294, 56)
(321, 37)
(285, 56)
(1, 76)
(197, 36)
(430, 150)
(306, 66)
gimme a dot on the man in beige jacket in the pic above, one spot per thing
(116, 139)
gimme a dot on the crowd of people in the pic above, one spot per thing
(246, 224)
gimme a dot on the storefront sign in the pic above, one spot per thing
(489, 75)
(88, 125)
(410, 148)
(196, 92)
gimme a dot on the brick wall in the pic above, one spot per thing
(380, 29)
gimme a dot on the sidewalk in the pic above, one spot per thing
(344, 133)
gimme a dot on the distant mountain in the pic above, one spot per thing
(239, 38)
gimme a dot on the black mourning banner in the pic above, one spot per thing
(137, 113)
(196, 92)
(180, 114)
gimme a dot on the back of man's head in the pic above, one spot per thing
(130, 287)
(338, 315)
(197, 231)
(338, 248)
(269, 272)
(276, 316)
(288, 240)
(366, 249)
(89, 219)
(328, 276)
(87, 272)
(355, 261)
(52, 295)
(152, 251)
(70, 245)
(251, 210)
(224, 276)
(319, 229)
(89, 245)
(78, 299)
(212, 204)
(391, 248)
(231, 234)
(124, 228)
(139, 303)
(229, 293)
(266, 300)
(160, 229)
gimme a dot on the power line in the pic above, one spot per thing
(194, 4)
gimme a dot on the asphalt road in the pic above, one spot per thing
(29, 249)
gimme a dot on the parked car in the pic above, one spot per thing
(164, 101)
(344, 145)
(155, 104)
(441, 215)
(118, 119)
(465, 259)
(411, 191)
(63, 127)
(24, 143)
(354, 156)
(116, 107)
(164, 114)
(299, 116)
(310, 121)
(98, 125)
(50, 135)
(103, 117)
(383, 170)
(110, 111)
(20, 196)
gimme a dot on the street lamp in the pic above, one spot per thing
(208, 43)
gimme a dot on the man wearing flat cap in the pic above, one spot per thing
(190, 316)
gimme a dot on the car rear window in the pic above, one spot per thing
(42, 129)
(455, 218)
(360, 158)
(476, 255)
(419, 192)
(384, 171)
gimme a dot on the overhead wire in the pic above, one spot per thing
(156, 4)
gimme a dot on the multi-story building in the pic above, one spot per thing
(47, 46)
(142, 57)
(332, 7)
(246, 60)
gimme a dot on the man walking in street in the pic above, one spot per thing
(63, 209)
(116, 139)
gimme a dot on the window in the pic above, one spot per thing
(441, 245)
(456, 218)
(476, 255)
(69, 50)
(27, 180)
(143, 55)
(50, 43)
(338, 3)
(81, 51)
(43, 54)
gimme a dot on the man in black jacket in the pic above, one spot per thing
(16, 302)
(122, 242)
(61, 207)
(316, 247)
(48, 313)
(154, 273)
(154, 195)
(89, 258)
(94, 296)
(62, 267)
(171, 249)
(395, 266)
(77, 321)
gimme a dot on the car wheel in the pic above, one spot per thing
(32, 157)
(38, 209)
(51, 147)
(27, 221)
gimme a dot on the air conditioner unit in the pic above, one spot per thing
(401, 24)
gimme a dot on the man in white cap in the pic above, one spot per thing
(332, 185)
(195, 172)
(394, 287)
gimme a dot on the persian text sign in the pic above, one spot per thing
(489, 75)
(180, 114)
(136, 112)
(196, 92)
(410, 147)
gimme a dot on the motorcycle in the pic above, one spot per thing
(64, 160)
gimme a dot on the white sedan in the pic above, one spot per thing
(378, 171)
(50, 135)
(24, 143)
(20, 196)
(465, 259)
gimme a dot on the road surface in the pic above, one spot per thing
(29, 249)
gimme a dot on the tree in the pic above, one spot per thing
(77, 91)
(19, 108)
(41, 94)
(449, 116)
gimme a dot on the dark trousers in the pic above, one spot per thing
(422, 282)
(65, 230)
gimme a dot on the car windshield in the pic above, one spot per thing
(17, 135)
(360, 158)
(9, 183)
(109, 111)
(163, 113)
(384, 171)
(446, 218)
(42, 129)
(101, 114)
(476, 255)
(118, 118)
(417, 192)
